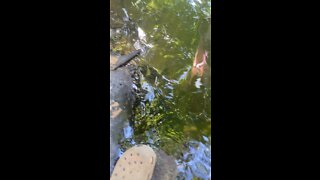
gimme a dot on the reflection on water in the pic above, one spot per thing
(174, 111)
(196, 161)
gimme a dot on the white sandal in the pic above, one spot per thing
(137, 162)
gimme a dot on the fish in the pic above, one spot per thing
(200, 62)
(122, 60)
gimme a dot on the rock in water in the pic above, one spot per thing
(166, 167)
(121, 102)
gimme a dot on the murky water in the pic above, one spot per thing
(174, 110)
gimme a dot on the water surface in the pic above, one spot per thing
(174, 110)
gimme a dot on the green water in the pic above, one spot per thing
(174, 110)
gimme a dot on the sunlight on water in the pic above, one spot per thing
(174, 111)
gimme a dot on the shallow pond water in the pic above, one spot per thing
(174, 109)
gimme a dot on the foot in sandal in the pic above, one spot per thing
(137, 162)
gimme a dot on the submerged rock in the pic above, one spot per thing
(121, 102)
(166, 168)
(122, 99)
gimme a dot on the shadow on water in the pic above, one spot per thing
(174, 110)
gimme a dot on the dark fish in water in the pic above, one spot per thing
(122, 60)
